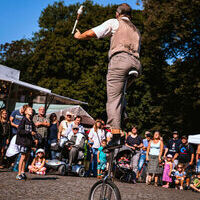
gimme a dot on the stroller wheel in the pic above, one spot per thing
(123, 178)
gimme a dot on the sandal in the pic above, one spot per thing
(156, 184)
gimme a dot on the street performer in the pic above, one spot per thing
(123, 57)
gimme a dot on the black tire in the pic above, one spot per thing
(97, 188)
(62, 170)
(81, 172)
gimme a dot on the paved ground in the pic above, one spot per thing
(55, 187)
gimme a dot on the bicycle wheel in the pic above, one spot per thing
(104, 191)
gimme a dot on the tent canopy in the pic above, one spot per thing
(61, 110)
(12, 88)
(75, 110)
(194, 139)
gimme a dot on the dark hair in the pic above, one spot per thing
(62, 117)
(104, 140)
(78, 116)
(124, 9)
(51, 118)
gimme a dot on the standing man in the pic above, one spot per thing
(42, 124)
(123, 56)
(172, 146)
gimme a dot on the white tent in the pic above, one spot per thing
(75, 110)
(194, 139)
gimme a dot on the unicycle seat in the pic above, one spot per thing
(131, 77)
(133, 73)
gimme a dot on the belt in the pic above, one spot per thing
(123, 52)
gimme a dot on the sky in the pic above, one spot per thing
(19, 18)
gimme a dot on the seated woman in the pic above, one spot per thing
(37, 166)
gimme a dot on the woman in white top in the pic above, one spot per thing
(65, 124)
(96, 135)
(153, 155)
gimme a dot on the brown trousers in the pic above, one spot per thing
(118, 69)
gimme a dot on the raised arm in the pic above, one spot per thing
(84, 36)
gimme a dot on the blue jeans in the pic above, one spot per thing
(141, 161)
(94, 162)
(53, 153)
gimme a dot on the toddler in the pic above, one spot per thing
(167, 171)
(101, 159)
(180, 176)
(195, 183)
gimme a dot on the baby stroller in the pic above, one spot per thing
(123, 169)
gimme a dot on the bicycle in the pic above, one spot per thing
(106, 189)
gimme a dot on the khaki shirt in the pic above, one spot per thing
(42, 130)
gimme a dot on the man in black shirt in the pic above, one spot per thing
(172, 146)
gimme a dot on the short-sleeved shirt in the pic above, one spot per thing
(65, 125)
(196, 181)
(42, 130)
(172, 146)
(131, 141)
(69, 129)
(180, 174)
(102, 155)
(185, 152)
(108, 28)
(17, 118)
(145, 144)
(97, 137)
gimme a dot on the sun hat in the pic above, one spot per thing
(169, 156)
(68, 113)
(40, 151)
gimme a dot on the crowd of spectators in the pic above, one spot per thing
(27, 135)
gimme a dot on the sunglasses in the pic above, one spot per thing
(179, 167)
(69, 116)
(75, 128)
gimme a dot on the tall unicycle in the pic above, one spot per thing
(105, 189)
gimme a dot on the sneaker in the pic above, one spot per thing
(24, 176)
(19, 177)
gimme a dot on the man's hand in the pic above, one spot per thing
(38, 123)
(77, 34)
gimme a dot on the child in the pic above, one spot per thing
(37, 166)
(101, 159)
(87, 157)
(167, 171)
(124, 162)
(195, 183)
(180, 176)
(25, 132)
